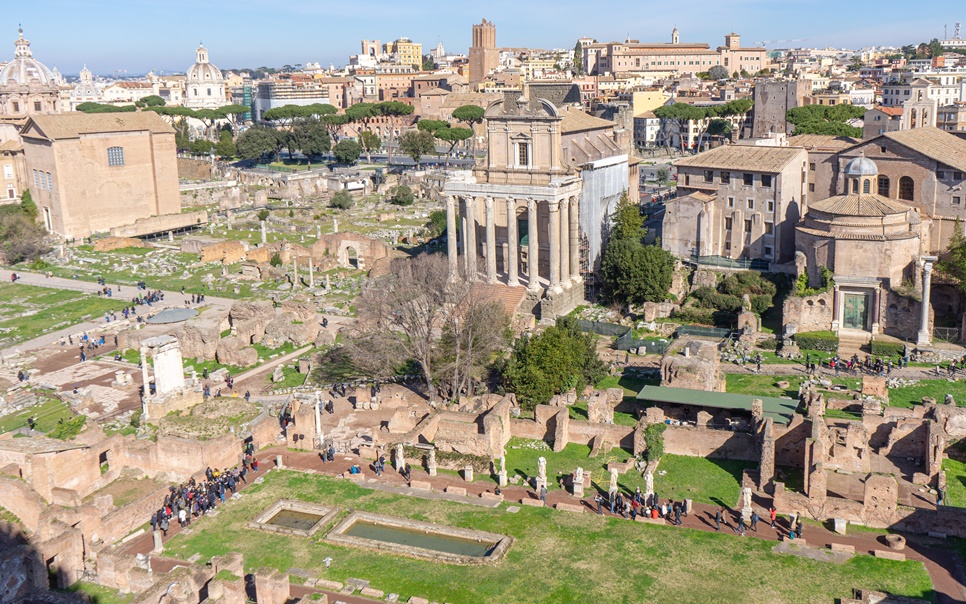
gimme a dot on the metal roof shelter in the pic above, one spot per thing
(781, 410)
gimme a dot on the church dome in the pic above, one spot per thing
(861, 166)
(203, 72)
(24, 69)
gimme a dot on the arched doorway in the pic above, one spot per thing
(351, 257)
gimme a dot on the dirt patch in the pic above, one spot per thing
(211, 419)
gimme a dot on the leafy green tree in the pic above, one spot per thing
(935, 48)
(827, 120)
(394, 110)
(275, 260)
(453, 136)
(555, 361)
(428, 63)
(719, 128)
(417, 143)
(101, 108)
(578, 60)
(634, 273)
(401, 195)
(437, 222)
(856, 64)
(431, 125)
(630, 272)
(342, 200)
(717, 72)
(152, 100)
(27, 204)
(362, 114)
(370, 141)
(334, 123)
(226, 145)
(663, 175)
(311, 137)
(347, 151)
(21, 238)
(264, 214)
(953, 262)
(201, 146)
(257, 142)
(471, 115)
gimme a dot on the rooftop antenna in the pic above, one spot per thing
(956, 31)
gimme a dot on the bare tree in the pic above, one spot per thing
(448, 327)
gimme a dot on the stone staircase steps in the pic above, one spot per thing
(509, 297)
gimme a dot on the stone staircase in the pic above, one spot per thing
(509, 297)
(853, 343)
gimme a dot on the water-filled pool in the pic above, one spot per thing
(364, 529)
(291, 519)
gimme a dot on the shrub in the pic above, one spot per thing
(342, 200)
(801, 284)
(694, 314)
(276, 260)
(67, 430)
(888, 349)
(817, 340)
(769, 344)
(437, 222)
(654, 441)
(401, 196)
(264, 214)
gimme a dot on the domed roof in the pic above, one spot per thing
(861, 166)
(203, 72)
(869, 205)
(24, 69)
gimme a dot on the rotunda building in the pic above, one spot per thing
(204, 84)
(27, 86)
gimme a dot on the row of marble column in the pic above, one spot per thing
(564, 231)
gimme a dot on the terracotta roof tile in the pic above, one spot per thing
(859, 205)
(75, 124)
(743, 157)
(934, 143)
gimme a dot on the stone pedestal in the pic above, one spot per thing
(579, 483)
(278, 462)
(840, 526)
(158, 545)
(468, 473)
(746, 504)
(502, 478)
(431, 463)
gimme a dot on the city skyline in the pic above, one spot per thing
(240, 35)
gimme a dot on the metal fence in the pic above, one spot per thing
(946, 334)
(720, 333)
(625, 337)
(722, 262)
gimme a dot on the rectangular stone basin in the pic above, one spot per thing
(419, 539)
(291, 517)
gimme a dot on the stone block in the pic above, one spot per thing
(649, 520)
(889, 555)
(841, 548)
(840, 526)
(491, 496)
(420, 484)
(895, 542)
(534, 503)
(372, 593)
(566, 507)
(415, 600)
(330, 585)
(456, 491)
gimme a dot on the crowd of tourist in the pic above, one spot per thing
(192, 499)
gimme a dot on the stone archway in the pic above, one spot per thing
(352, 258)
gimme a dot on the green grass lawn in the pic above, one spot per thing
(615, 560)
(767, 385)
(51, 310)
(292, 378)
(908, 396)
(711, 481)
(98, 594)
(955, 468)
(47, 413)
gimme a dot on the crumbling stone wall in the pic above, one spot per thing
(692, 364)
(108, 244)
(809, 313)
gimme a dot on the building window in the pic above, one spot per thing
(884, 186)
(725, 178)
(36, 105)
(751, 203)
(906, 188)
(940, 175)
(209, 92)
(728, 224)
(36, 179)
(43, 180)
(957, 175)
(769, 228)
(866, 186)
(855, 186)
(811, 187)
(8, 171)
(747, 225)
(749, 179)
(16, 107)
(731, 202)
(766, 180)
(11, 193)
(50, 182)
(770, 204)
(708, 176)
(115, 156)
(956, 200)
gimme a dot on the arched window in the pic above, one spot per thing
(855, 185)
(884, 186)
(209, 92)
(913, 121)
(906, 188)
(866, 186)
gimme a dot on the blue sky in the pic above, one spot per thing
(139, 35)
